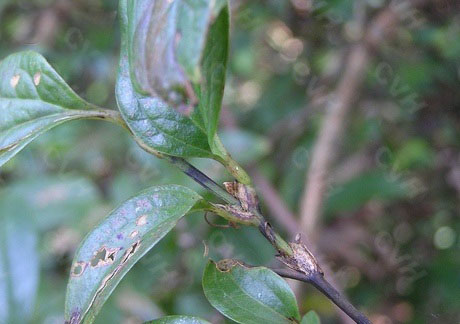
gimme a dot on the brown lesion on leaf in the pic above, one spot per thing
(227, 265)
(236, 214)
(78, 268)
(128, 254)
(245, 195)
(302, 260)
(246, 211)
(104, 256)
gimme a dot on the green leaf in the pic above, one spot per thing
(310, 318)
(152, 121)
(372, 185)
(249, 295)
(214, 67)
(245, 146)
(166, 44)
(118, 242)
(19, 264)
(53, 200)
(178, 320)
(34, 99)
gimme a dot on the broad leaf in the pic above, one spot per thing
(118, 242)
(310, 318)
(34, 99)
(54, 201)
(19, 263)
(166, 44)
(249, 295)
(156, 124)
(178, 320)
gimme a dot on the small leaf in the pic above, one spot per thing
(178, 320)
(19, 263)
(311, 318)
(214, 67)
(118, 242)
(150, 119)
(34, 99)
(249, 295)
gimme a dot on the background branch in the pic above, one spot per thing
(338, 107)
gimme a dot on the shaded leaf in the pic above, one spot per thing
(34, 99)
(310, 318)
(154, 122)
(368, 186)
(19, 264)
(211, 89)
(178, 320)
(245, 146)
(118, 242)
(249, 295)
(166, 43)
(53, 201)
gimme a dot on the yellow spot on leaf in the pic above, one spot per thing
(15, 80)
(141, 221)
(37, 78)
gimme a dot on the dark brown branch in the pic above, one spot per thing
(320, 283)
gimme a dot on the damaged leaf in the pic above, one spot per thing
(34, 99)
(118, 242)
(249, 295)
(178, 320)
(166, 44)
(150, 118)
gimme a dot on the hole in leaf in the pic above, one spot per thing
(103, 256)
(78, 269)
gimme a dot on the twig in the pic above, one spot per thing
(202, 179)
(294, 255)
(320, 283)
(275, 204)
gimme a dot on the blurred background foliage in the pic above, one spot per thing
(390, 226)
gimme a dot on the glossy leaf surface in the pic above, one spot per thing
(155, 123)
(249, 295)
(118, 242)
(34, 99)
